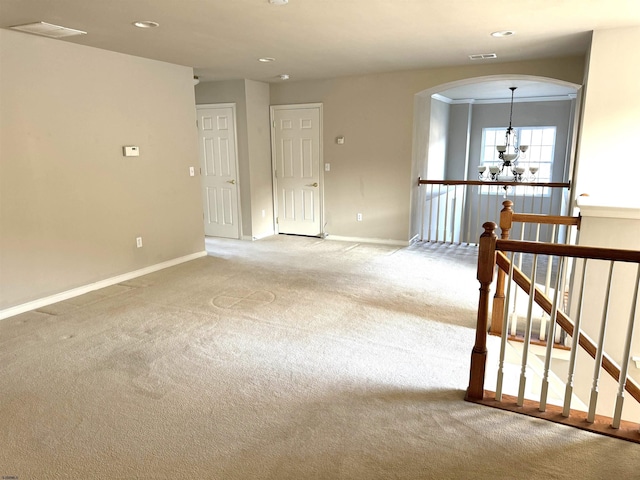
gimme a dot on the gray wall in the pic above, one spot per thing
(71, 206)
(530, 114)
(259, 138)
(459, 142)
(254, 148)
(233, 91)
(549, 113)
(374, 171)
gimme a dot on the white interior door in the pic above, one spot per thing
(297, 150)
(219, 167)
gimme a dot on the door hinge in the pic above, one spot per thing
(278, 220)
(197, 126)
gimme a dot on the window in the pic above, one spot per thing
(541, 141)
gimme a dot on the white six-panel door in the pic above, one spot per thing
(296, 151)
(219, 165)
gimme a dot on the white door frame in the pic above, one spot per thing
(296, 106)
(235, 128)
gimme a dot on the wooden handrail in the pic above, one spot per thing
(545, 219)
(575, 251)
(563, 321)
(499, 183)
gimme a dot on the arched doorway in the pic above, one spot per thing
(449, 121)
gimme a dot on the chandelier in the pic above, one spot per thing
(509, 153)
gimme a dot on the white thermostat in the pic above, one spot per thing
(131, 151)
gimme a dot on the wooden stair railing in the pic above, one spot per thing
(507, 219)
(491, 253)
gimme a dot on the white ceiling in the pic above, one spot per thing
(499, 90)
(314, 39)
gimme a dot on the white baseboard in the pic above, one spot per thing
(379, 241)
(259, 236)
(75, 292)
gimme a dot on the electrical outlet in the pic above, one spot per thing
(139, 242)
(327, 167)
(359, 217)
(192, 171)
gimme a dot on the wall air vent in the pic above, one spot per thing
(483, 56)
(47, 30)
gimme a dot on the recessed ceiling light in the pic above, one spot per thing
(278, 2)
(284, 76)
(146, 24)
(266, 59)
(48, 30)
(503, 33)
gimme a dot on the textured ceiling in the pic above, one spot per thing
(313, 39)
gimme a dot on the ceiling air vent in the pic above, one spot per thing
(483, 56)
(48, 30)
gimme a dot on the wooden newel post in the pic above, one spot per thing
(486, 265)
(497, 312)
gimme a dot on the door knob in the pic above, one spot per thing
(232, 182)
(314, 184)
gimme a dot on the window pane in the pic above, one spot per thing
(525, 137)
(536, 137)
(549, 136)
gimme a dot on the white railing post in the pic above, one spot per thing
(624, 369)
(600, 351)
(505, 333)
(568, 394)
(527, 334)
(552, 333)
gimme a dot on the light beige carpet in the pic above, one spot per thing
(286, 358)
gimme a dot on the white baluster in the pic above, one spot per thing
(438, 213)
(624, 369)
(446, 214)
(527, 334)
(453, 220)
(430, 211)
(514, 314)
(462, 213)
(593, 400)
(469, 209)
(568, 393)
(478, 214)
(552, 333)
(505, 333)
(423, 199)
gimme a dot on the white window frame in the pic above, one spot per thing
(541, 152)
(541, 148)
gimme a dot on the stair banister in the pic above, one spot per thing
(486, 267)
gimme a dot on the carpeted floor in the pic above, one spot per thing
(286, 358)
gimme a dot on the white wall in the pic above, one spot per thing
(437, 139)
(71, 206)
(611, 119)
